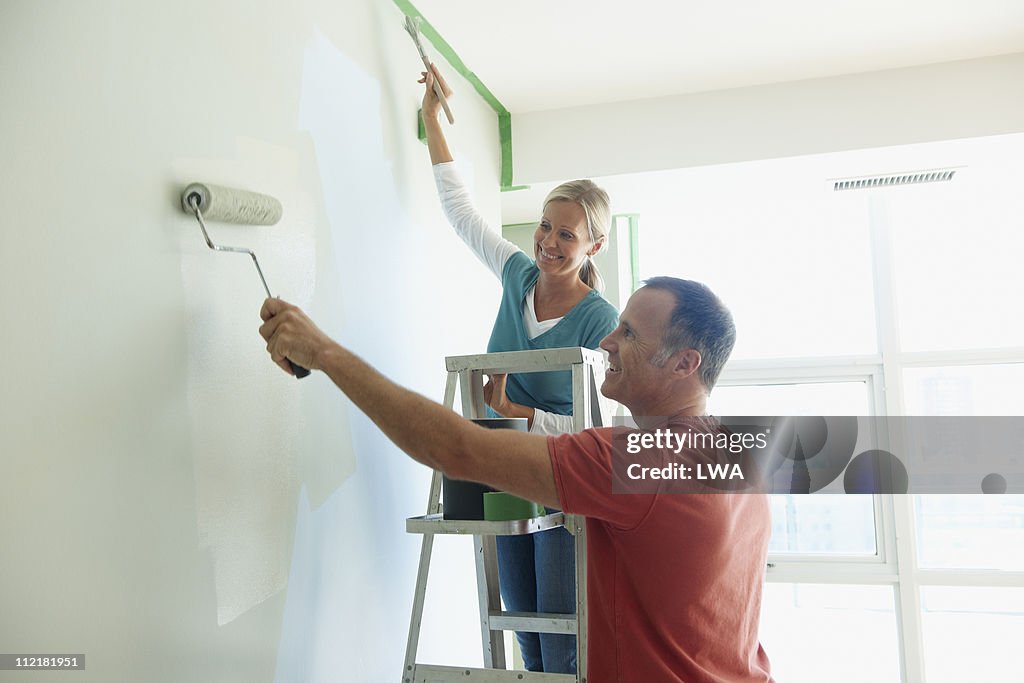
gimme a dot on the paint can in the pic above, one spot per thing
(465, 499)
(503, 507)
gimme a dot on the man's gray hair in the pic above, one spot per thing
(699, 321)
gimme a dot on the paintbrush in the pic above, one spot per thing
(412, 27)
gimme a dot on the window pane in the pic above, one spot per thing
(972, 634)
(957, 248)
(965, 390)
(823, 524)
(809, 524)
(970, 532)
(818, 398)
(836, 633)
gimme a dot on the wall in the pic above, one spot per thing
(900, 106)
(174, 506)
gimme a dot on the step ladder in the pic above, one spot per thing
(589, 410)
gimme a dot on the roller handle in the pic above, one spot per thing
(238, 206)
(299, 371)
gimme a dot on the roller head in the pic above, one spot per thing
(231, 206)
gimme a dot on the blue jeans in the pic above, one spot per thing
(537, 573)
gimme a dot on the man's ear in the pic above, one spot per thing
(686, 362)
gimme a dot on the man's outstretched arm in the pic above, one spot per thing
(430, 433)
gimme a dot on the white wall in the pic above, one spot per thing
(947, 101)
(173, 505)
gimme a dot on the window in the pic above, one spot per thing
(819, 525)
(897, 300)
(981, 623)
(847, 631)
(970, 532)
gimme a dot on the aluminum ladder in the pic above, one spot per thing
(589, 410)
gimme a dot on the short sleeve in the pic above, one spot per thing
(582, 468)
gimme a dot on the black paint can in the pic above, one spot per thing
(465, 499)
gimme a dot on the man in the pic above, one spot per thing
(673, 580)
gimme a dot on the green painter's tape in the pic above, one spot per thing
(446, 51)
(505, 136)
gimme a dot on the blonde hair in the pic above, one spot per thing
(598, 210)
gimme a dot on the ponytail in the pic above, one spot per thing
(591, 276)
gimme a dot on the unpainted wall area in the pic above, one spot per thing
(176, 507)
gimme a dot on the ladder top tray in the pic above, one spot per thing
(435, 524)
(539, 360)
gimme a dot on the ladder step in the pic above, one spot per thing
(436, 524)
(428, 673)
(533, 622)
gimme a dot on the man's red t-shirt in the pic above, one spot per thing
(673, 580)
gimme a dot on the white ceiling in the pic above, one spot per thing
(536, 55)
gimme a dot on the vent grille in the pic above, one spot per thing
(912, 178)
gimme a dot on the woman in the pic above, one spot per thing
(549, 301)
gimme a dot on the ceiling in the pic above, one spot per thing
(536, 55)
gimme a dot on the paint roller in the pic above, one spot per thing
(229, 205)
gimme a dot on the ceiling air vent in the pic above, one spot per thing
(912, 178)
